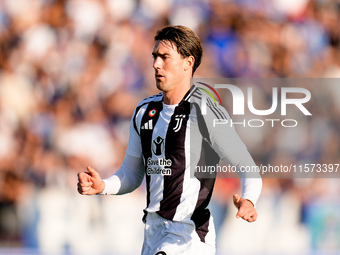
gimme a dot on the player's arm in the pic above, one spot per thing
(232, 150)
(251, 182)
(126, 179)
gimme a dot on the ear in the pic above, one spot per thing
(189, 63)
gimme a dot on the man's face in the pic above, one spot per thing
(169, 65)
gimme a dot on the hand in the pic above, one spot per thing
(90, 183)
(246, 209)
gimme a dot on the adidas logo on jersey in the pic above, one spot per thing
(148, 125)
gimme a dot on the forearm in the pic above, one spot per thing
(127, 178)
(229, 146)
(251, 181)
(236, 154)
(251, 188)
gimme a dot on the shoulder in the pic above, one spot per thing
(154, 98)
(144, 103)
(199, 95)
(206, 104)
(195, 95)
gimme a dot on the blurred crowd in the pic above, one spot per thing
(72, 72)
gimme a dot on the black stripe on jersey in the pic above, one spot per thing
(175, 151)
(214, 109)
(146, 137)
(203, 229)
(141, 104)
(217, 112)
(213, 106)
(192, 90)
(198, 97)
(197, 94)
(201, 214)
(202, 126)
(208, 157)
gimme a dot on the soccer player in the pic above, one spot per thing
(176, 217)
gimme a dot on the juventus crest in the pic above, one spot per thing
(179, 121)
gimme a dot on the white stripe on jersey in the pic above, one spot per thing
(157, 180)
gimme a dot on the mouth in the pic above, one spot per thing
(159, 76)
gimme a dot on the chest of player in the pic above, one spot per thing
(163, 132)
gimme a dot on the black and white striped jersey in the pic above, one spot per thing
(172, 139)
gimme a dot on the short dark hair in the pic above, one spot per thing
(185, 40)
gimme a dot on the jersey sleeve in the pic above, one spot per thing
(135, 146)
(127, 178)
(131, 173)
(229, 146)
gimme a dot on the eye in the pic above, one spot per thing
(165, 56)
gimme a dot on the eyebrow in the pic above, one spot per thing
(155, 54)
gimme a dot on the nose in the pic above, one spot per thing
(157, 63)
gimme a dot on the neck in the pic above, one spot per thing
(176, 95)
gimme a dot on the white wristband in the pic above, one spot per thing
(112, 185)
